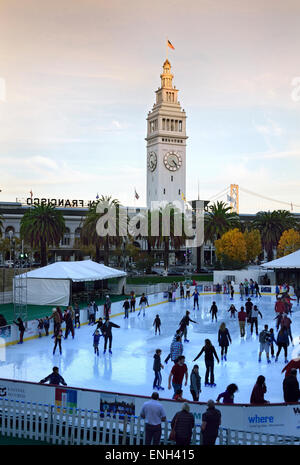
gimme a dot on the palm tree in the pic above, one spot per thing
(219, 220)
(41, 226)
(271, 226)
(90, 231)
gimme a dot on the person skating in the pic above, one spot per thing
(142, 304)
(228, 395)
(77, 315)
(184, 323)
(107, 333)
(21, 327)
(246, 287)
(231, 292)
(178, 372)
(181, 291)
(282, 342)
(91, 314)
(294, 363)
(157, 324)
(187, 291)
(213, 311)
(96, 338)
(196, 298)
(40, 326)
(290, 387)
(157, 367)
(54, 378)
(126, 306)
(232, 311)
(57, 320)
(57, 340)
(176, 349)
(242, 291)
(177, 333)
(242, 316)
(210, 354)
(258, 391)
(224, 340)
(286, 324)
(254, 317)
(69, 323)
(264, 343)
(46, 325)
(195, 383)
(107, 307)
(132, 301)
(272, 342)
(248, 306)
(256, 287)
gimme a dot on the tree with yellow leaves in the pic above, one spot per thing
(253, 244)
(231, 249)
(288, 243)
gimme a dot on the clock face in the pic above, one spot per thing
(172, 161)
(152, 161)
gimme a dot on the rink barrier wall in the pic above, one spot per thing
(277, 419)
(73, 426)
(9, 335)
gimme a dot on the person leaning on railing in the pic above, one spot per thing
(54, 378)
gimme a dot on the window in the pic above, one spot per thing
(180, 126)
(164, 191)
(172, 125)
(66, 238)
(163, 123)
(171, 178)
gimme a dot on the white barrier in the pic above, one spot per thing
(283, 419)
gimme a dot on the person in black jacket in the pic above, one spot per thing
(157, 366)
(21, 327)
(290, 386)
(248, 306)
(213, 311)
(3, 321)
(184, 323)
(106, 331)
(211, 421)
(183, 423)
(126, 306)
(210, 353)
(224, 340)
(157, 324)
(54, 378)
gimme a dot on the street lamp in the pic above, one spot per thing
(10, 233)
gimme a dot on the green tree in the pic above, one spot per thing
(271, 226)
(110, 211)
(218, 220)
(41, 226)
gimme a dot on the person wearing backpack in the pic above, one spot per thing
(265, 342)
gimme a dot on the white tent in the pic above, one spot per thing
(51, 285)
(291, 261)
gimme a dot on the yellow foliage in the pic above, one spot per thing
(233, 245)
(253, 244)
(288, 243)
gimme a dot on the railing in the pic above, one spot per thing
(72, 426)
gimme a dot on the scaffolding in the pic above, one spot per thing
(20, 289)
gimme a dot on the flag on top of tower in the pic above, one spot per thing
(97, 196)
(31, 193)
(136, 195)
(170, 45)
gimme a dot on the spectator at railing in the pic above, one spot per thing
(54, 378)
(211, 421)
(183, 423)
(3, 321)
(258, 391)
(290, 386)
(153, 413)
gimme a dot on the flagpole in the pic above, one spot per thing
(167, 48)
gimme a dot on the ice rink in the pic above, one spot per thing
(130, 367)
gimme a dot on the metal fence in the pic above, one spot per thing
(72, 426)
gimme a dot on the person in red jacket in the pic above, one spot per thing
(294, 363)
(279, 306)
(258, 392)
(242, 316)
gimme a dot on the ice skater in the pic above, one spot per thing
(54, 378)
(107, 333)
(69, 323)
(143, 303)
(195, 383)
(181, 291)
(232, 311)
(157, 324)
(40, 326)
(282, 343)
(178, 333)
(176, 349)
(57, 320)
(210, 353)
(46, 323)
(242, 291)
(196, 298)
(228, 395)
(265, 342)
(184, 323)
(132, 301)
(187, 291)
(224, 340)
(21, 327)
(242, 315)
(256, 287)
(57, 340)
(213, 311)
(157, 366)
(231, 292)
(126, 306)
(107, 307)
(96, 338)
(254, 317)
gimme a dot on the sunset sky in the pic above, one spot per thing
(78, 77)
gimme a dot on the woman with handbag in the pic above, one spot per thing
(182, 426)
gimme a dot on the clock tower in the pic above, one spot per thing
(166, 144)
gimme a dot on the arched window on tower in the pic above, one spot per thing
(66, 238)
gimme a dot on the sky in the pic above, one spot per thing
(78, 77)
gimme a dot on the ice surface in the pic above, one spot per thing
(130, 368)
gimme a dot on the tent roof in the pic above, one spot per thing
(85, 270)
(291, 261)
